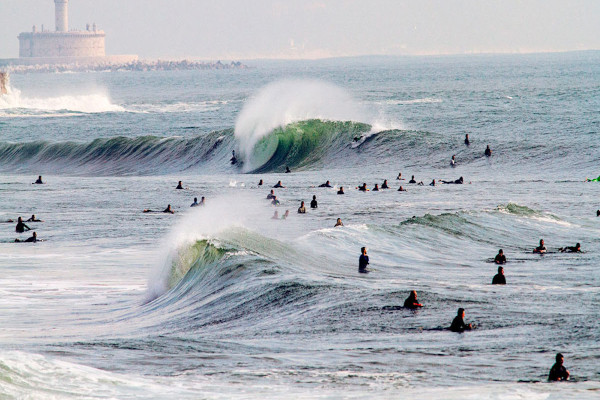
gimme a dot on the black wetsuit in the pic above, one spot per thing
(458, 325)
(278, 185)
(340, 192)
(410, 303)
(325, 185)
(384, 186)
(467, 141)
(499, 279)
(571, 249)
(558, 372)
(488, 152)
(412, 181)
(270, 196)
(500, 259)
(362, 188)
(313, 204)
(21, 227)
(363, 261)
(540, 249)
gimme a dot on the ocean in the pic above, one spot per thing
(224, 302)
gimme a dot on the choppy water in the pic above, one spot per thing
(224, 302)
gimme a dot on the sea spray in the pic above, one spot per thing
(281, 103)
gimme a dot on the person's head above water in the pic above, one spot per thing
(302, 204)
(195, 199)
(20, 219)
(541, 242)
(413, 294)
(461, 312)
(501, 270)
(500, 252)
(560, 359)
(314, 197)
(363, 250)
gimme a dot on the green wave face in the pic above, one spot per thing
(198, 255)
(304, 143)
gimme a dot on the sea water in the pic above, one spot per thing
(222, 301)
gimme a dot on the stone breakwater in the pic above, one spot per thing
(141, 65)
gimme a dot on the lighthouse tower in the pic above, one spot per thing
(61, 15)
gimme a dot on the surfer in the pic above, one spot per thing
(274, 201)
(597, 213)
(301, 209)
(34, 219)
(411, 302)
(38, 181)
(541, 249)
(412, 180)
(326, 184)
(32, 239)
(179, 185)
(286, 214)
(500, 257)
(202, 201)
(287, 169)
(376, 188)
(275, 215)
(279, 185)
(233, 158)
(168, 210)
(558, 372)
(453, 161)
(271, 195)
(467, 142)
(195, 203)
(384, 185)
(338, 223)
(260, 183)
(458, 323)
(313, 203)
(571, 249)
(499, 278)
(399, 177)
(401, 189)
(488, 151)
(363, 188)
(363, 261)
(459, 181)
(21, 227)
(341, 191)
(432, 183)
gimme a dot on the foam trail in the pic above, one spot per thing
(283, 102)
(88, 103)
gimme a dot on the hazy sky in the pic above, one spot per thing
(242, 29)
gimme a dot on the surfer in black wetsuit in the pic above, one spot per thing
(179, 185)
(500, 257)
(287, 170)
(399, 177)
(384, 185)
(21, 227)
(279, 185)
(541, 249)
(32, 239)
(411, 302)
(34, 219)
(459, 181)
(326, 184)
(499, 278)
(313, 203)
(363, 261)
(168, 210)
(338, 223)
(488, 151)
(274, 201)
(233, 158)
(412, 180)
(363, 188)
(301, 209)
(467, 142)
(401, 189)
(341, 191)
(260, 183)
(558, 372)
(38, 181)
(271, 195)
(458, 324)
(598, 213)
(376, 188)
(571, 249)
(432, 183)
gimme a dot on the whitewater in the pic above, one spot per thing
(225, 302)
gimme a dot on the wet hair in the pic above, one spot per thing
(559, 356)
(362, 249)
(500, 269)
(500, 251)
(460, 311)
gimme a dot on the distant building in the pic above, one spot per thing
(63, 46)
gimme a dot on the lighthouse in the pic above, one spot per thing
(61, 15)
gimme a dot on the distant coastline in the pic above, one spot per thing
(137, 65)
